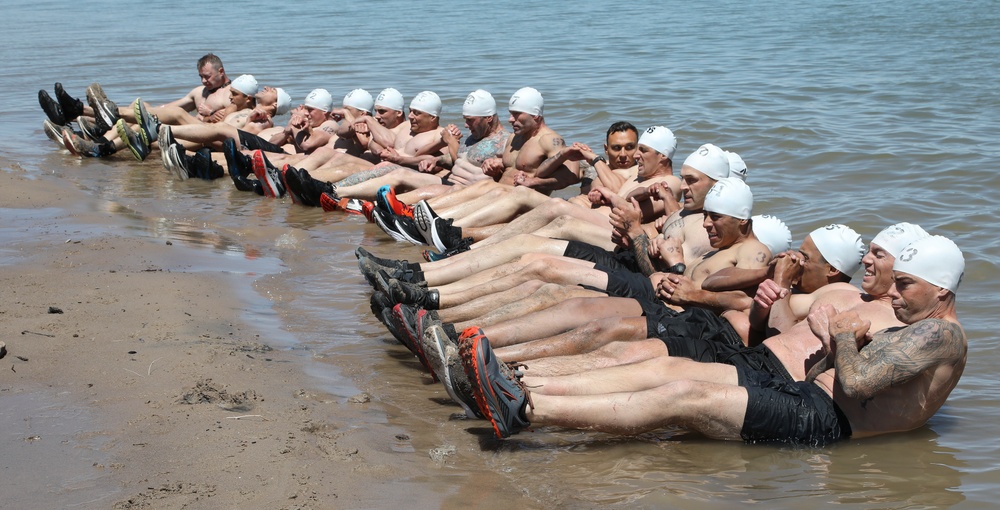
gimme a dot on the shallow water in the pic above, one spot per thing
(865, 113)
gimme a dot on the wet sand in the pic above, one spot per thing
(141, 388)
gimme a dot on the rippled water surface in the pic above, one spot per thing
(865, 113)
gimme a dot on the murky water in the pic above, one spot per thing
(855, 112)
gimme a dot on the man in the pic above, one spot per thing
(901, 380)
(209, 101)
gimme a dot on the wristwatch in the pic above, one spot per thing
(594, 161)
(677, 268)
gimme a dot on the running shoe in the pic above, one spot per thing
(105, 111)
(500, 395)
(268, 176)
(53, 131)
(409, 230)
(293, 186)
(51, 108)
(71, 106)
(444, 235)
(330, 202)
(175, 161)
(368, 210)
(201, 165)
(132, 140)
(379, 302)
(424, 217)
(361, 253)
(313, 189)
(387, 223)
(407, 319)
(90, 131)
(79, 146)
(442, 355)
(463, 247)
(239, 164)
(409, 293)
(149, 125)
(166, 140)
(386, 198)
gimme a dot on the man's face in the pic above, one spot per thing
(211, 77)
(723, 231)
(522, 122)
(913, 299)
(479, 126)
(421, 122)
(878, 271)
(620, 149)
(316, 116)
(238, 98)
(694, 187)
(814, 267)
(647, 159)
(388, 117)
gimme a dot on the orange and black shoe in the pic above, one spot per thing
(386, 198)
(497, 390)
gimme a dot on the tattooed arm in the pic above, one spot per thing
(893, 357)
(557, 158)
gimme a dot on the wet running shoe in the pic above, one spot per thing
(500, 395)
(386, 198)
(105, 111)
(79, 146)
(149, 125)
(293, 186)
(368, 210)
(132, 140)
(89, 130)
(424, 217)
(268, 176)
(442, 355)
(238, 163)
(387, 223)
(71, 106)
(361, 253)
(462, 247)
(175, 161)
(409, 293)
(53, 131)
(406, 319)
(51, 108)
(409, 230)
(379, 302)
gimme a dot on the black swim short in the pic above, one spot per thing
(253, 142)
(618, 259)
(781, 411)
(627, 284)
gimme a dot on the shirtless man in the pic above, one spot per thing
(209, 101)
(893, 380)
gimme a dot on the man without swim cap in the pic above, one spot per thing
(934, 259)
(660, 139)
(730, 196)
(427, 102)
(479, 104)
(527, 100)
(841, 246)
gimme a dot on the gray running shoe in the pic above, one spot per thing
(105, 111)
(442, 355)
(174, 161)
(132, 140)
(53, 131)
(89, 130)
(79, 146)
(149, 125)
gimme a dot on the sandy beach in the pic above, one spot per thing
(149, 368)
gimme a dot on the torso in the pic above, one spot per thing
(485, 148)
(689, 227)
(214, 100)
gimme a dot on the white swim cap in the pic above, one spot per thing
(246, 84)
(730, 196)
(737, 167)
(709, 160)
(527, 100)
(319, 99)
(284, 101)
(772, 232)
(935, 259)
(841, 246)
(360, 99)
(390, 98)
(895, 237)
(479, 104)
(660, 139)
(427, 102)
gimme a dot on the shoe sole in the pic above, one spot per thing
(53, 132)
(435, 343)
(383, 224)
(67, 140)
(407, 234)
(123, 133)
(260, 170)
(436, 240)
(413, 342)
(424, 222)
(172, 162)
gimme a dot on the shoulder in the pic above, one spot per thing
(753, 252)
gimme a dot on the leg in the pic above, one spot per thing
(584, 339)
(546, 296)
(559, 318)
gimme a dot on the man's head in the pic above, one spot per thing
(927, 275)
(737, 167)
(389, 108)
(480, 113)
(656, 151)
(243, 91)
(772, 232)
(318, 104)
(212, 74)
(425, 108)
(275, 100)
(359, 102)
(882, 253)
(526, 109)
(727, 212)
(700, 171)
(620, 145)
(829, 254)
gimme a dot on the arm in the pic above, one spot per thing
(553, 147)
(187, 103)
(787, 271)
(381, 136)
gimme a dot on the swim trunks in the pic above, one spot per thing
(253, 142)
(627, 284)
(780, 411)
(618, 259)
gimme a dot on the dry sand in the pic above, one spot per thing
(146, 378)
